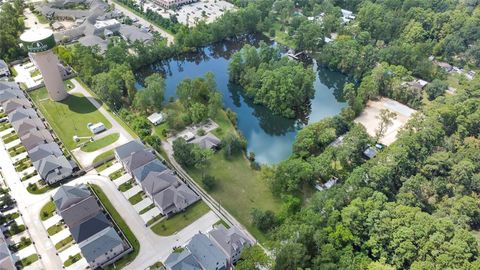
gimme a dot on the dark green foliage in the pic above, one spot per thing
(12, 26)
(264, 220)
(209, 182)
(436, 88)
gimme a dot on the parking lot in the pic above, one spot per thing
(206, 10)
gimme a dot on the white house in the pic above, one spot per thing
(156, 118)
(97, 127)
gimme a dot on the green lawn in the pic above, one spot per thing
(181, 220)
(68, 117)
(64, 242)
(122, 226)
(126, 186)
(27, 260)
(72, 259)
(100, 143)
(136, 198)
(146, 209)
(18, 149)
(235, 179)
(47, 211)
(116, 174)
(55, 229)
(10, 137)
(24, 242)
(103, 156)
(34, 73)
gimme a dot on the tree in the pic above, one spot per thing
(151, 97)
(263, 220)
(386, 118)
(232, 144)
(209, 182)
(253, 258)
(436, 88)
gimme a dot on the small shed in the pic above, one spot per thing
(156, 118)
(370, 152)
(97, 128)
(188, 136)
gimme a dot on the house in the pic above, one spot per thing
(445, 66)
(22, 113)
(6, 259)
(207, 254)
(10, 93)
(131, 34)
(174, 199)
(188, 136)
(347, 16)
(4, 71)
(53, 169)
(7, 85)
(330, 183)
(370, 152)
(156, 118)
(127, 149)
(25, 126)
(44, 150)
(230, 241)
(173, 3)
(102, 248)
(183, 260)
(66, 196)
(153, 166)
(208, 141)
(13, 104)
(137, 159)
(96, 128)
(417, 84)
(158, 181)
(36, 137)
(80, 212)
(89, 227)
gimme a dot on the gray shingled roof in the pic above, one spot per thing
(5, 85)
(154, 166)
(66, 196)
(182, 261)
(12, 104)
(35, 137)
(80, 212)
(207, 254)
(138, 159)
(92, 40)
(44, 150)
(26, 125)
(127, 149)
(102, 243)
(3, 64)
(89, 227)
(22, 113)
(11, 93)
(231, 241)
(207, 141)
(132, 33)
(158, 181)
(175, 199)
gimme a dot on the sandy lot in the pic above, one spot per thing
(369, 118)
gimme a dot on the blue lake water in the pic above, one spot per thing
(269, 136)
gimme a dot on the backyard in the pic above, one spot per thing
(181, 220)
(68, 117)
(100, 143)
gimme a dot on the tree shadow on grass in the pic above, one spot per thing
(80, 104)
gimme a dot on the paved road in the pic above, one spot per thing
(170, 38)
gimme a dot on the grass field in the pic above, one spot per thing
(181, 220)
(47, 211)
(136, 198)
(72, 259)
(122, 226)
(102, 157)
(100, 143)
(68, 117)
(55, 229)
(64, 242)
(27, 260)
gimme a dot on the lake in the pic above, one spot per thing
(269, 136)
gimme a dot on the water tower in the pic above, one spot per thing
(39, 43)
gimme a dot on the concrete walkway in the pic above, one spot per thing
(12, 144)
(78, 265)
(143, 204)
(115, 167)
(6, 131)
(55, 219)
(70, 251)
(131, 192)
(122, 179)
(150, 214)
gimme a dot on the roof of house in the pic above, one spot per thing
(230, 240)
(207, 254)
(158, 181)
(370, 152)
(208, 141)
(155, 117)
(35, 137)
(102, 243)
(44, 150)
(182, 261)
(174, 199)
(80, 212)
(26, 125)
(3, 64)
(138, 159)
(89, 227)
(14, 103)
(132, 33)
(5, 85)
(127, 149)
(10, 93)
(22, 113)
(153, 166)
(53, 169)
(92, 40)
(66, 196)
(6, 260)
